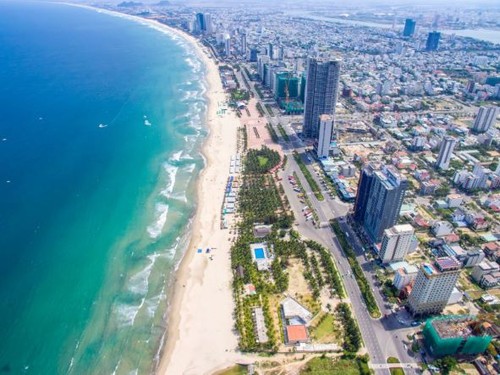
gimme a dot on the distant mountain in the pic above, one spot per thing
(164, 3)
(129, 4)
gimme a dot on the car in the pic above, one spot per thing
(415, 323)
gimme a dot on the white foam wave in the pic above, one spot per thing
(171, 251)
(179, 197)
(190, 168)
(176, 156)
(153, 303)
(194, 63)
(126, 314)
(116, 367)
(172, 173)
(156, 228)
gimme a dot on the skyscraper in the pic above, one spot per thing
(203, 23)
(396, 243)
(208, 23)
(485, 118)
(200, 22)
(433, 286)
(227, 44)
(322, 85)
(445, 151)
(379, 199)
(325, 135)
(433, 41)
(409, 29)
(270, 51)
(243, 44)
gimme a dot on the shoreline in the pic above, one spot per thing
(188, 284)
(199, 291)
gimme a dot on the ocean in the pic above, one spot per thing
(101, 123)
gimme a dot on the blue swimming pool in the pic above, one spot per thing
(259, 253)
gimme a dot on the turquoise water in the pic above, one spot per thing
(100, 127)
(259, 253)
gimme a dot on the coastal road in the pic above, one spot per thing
(383, 338)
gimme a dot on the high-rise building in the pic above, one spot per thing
(200, 22)
(409, 29)
(379, 199)
(445, 151)
(324, 136)
(252, 57)
(396, 243)
(321, 90)
(209, 28)
(281, 53)
(243, 44)
(203, 23)
(433, 41)
(452, 335)
(270, 51)
(433, 286)
(485, 119)
(227, 44)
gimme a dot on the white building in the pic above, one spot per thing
(454, 200)
(404, 276)
(325, 135)
(484, 268)
(433, 286)
(445, 152)
(441, 228)
(396, 243)
(455, 297)
(485, 119)
(227, 44)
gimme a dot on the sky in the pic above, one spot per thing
(461, 3)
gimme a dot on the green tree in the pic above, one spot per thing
(446, 364)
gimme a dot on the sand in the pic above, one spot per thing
(200, 336)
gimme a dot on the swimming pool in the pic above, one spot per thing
(259, 253)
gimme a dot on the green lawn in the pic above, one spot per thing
(325, 332)
(235, 370)
(328, 366)
(397, 371)
(262, 160)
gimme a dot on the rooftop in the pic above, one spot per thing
(447, 264)
(296, 333)
(292, 308)
(456, 326)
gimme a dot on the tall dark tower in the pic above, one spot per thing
(379, 199)
(433, 41)
(409, 29)
(200, 22)
(322, 84)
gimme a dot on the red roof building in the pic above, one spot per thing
(296, 334)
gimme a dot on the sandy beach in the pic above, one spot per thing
(200, 337)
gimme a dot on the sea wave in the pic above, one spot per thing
(126, 313)
(156, 228)
(190, 168)
(139, 283)
(171, 177)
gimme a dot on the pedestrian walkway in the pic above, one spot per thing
(376, 366)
